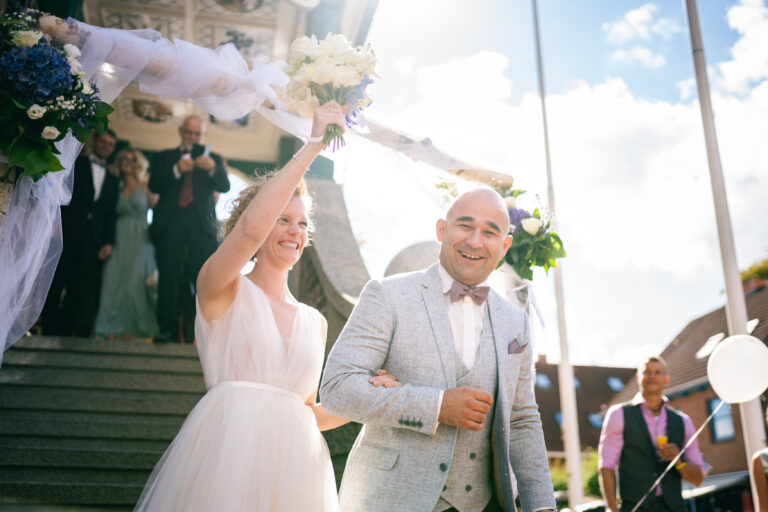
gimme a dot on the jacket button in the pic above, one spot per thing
(443, 467)
(468, 488)
(473, 455)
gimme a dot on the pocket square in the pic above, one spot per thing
(514, 347)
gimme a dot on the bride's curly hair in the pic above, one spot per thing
(239, 204)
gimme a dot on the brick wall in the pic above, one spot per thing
(723, 456)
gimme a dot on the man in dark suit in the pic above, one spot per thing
(88, 232)
(184, 220)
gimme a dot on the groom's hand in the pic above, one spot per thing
(382, 379)
(465, 407)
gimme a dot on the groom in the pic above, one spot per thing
(465, 425)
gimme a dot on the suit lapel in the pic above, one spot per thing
(432, 293)
(88, 179)
(495, 312)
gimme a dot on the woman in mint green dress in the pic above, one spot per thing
(127, 303)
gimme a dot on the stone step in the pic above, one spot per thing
(89, 425)
(100, 379)
(105, 496)
(66, 344)
(134, 402)
(57, 442)
(22, 358)
(43, 475)
(26, 456)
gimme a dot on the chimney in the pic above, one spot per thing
(753, 284)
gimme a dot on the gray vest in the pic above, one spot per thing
(469, 484)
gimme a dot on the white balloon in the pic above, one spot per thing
(738, 368)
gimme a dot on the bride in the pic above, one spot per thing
(253, 441)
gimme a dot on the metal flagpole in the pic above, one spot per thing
(736, 309)
(570, 424)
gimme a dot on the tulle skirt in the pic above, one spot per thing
(244, 447)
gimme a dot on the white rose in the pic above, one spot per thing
(303, 44)
(74, 65)
(346, 77)
(509, 201)
(36, 111)
(335, 43)
(531, 225)
(87, 89)
(26, 37)
(72, 51)
(50, 132)
(322, 72)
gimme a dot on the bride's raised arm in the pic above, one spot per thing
(217, 281)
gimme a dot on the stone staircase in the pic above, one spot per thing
(83, 422)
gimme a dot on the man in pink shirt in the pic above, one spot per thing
(638, 440)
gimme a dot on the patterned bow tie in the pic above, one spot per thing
(478, 294)
(98, 162)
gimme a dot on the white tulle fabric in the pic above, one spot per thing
(245, 446)
(219, 81)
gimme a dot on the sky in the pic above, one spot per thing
(632, 188)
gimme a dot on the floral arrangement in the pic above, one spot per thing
(43, 95)
(533, 244)
(331, 69)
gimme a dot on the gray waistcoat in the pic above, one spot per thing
(468, 487)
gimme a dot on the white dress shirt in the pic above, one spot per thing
(466, 320)
(98, 171)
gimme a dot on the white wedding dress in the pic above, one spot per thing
(250, 444)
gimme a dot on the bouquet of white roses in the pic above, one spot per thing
(43, 95)
(331, 69)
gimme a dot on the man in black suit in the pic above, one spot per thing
(88, 233)
(184, 220)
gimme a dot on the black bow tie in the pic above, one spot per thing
(98, 162)
(478, 294)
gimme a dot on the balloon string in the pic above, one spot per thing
(677, 457)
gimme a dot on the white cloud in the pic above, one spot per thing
(639, 24)
(749, 64)
(686, 88)
(635, 24)
(640, 54)
(459, 80)
(666, 28)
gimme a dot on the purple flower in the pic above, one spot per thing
(354, 96)
(516, 215)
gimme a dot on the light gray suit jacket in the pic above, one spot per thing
(398, 461)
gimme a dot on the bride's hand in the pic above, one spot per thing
(326, 115)
(382, 379)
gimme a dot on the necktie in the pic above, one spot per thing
(478, 294)
(187, 195)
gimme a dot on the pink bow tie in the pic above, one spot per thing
(478, 294)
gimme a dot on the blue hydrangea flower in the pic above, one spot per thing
(35, 74)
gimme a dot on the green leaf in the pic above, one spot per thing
(20, 105)
(22, 146)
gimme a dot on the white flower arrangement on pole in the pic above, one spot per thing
(331, 69)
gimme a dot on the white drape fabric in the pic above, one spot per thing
(218, 81)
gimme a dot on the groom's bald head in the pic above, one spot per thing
(474, 235)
